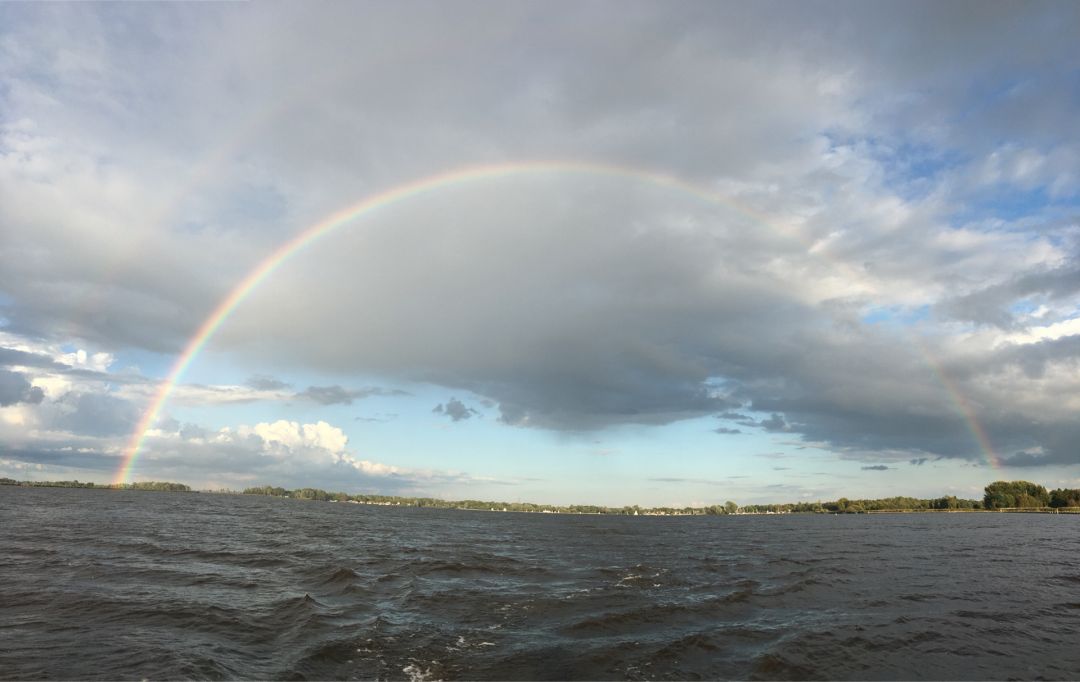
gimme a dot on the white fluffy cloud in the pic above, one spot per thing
(319, 440)
(293, 436)
(281, 452)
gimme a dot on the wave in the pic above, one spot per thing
(260, 594)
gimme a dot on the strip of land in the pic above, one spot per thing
(1000, 496)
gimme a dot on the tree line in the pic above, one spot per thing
(165, 486)
(997, 495)
(484, 505)
(1026, 495)
(846, 506)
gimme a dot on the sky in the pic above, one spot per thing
(609, 252)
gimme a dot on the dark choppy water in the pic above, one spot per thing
(100, 584)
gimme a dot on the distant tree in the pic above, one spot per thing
(1006, 494)
(730, 507)
(949, 502)
(153, 485)
(1065, 497)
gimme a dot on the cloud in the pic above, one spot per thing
(293, 436)
(733, 416)
(726, 431)
(919, 461)
(327, 395)
(993, 304)
(282, 452)
(14, 388)
(683, 481)
(59, 457)
(378, 418)
(268, 389)
(570, 302)
(47, 360)
(319, 441)
(455, 410)
(1057, 454)
(286, 453)
(775, 455)
(262, 382)
(13, 357)
(876, 467)
(95, 414)
(337, 395)
(774, 423)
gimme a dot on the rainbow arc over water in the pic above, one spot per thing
(402, 193)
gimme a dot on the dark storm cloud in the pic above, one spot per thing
(14, 388)
(455, 410)
(598, 397)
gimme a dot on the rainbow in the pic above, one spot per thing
(394, 195)
(962, 406)
(405, 192)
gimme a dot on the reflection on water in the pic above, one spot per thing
(108, 584)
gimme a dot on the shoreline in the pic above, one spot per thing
(316, 495)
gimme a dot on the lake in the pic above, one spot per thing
(101, 584)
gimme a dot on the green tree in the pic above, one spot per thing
(949, 502)
(1007, 494)
(1065, 497)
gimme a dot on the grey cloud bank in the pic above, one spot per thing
(14, 388)
(898, 214)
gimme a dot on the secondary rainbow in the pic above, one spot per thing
(404, 192)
